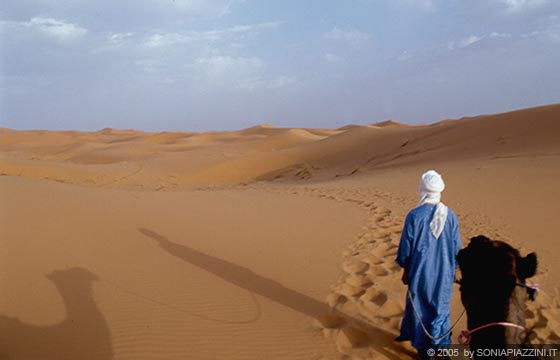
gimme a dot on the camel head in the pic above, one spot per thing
(74, 274)
(493, 288)
(492, 262)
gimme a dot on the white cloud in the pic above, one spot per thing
(282, 81)
(332, 58)
(229, 72)
(405, 55)
(463, 43)
(473, 39)
(57, 29)
(202, 8)
(153, 66)
(426, 4)
(226, 73)
(551, 33)
(168, 39)
(112, 42)
(223, 64)
(349, 36)
(521, 5)
(249, 28)
(118, 38)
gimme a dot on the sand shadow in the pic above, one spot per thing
(382, 341)
(83, 334)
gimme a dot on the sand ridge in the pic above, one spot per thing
(525, 133)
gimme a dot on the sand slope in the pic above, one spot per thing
(143, 275)
(265, 152)
(131, 245)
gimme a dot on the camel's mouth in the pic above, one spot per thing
(532, 290)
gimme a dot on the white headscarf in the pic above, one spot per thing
(431, 186)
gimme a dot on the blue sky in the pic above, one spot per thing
(198, 65)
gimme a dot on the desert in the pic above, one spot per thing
(124, 244)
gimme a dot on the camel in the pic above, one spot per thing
(83, 334)
(493, 290)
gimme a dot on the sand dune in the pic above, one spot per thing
(262, 129)
(285, 139)
(388, 123)
(524, 133)
(132, 245)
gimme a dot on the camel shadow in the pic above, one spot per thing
(381, 340)
(83, 334)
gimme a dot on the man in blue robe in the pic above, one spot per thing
(427, 253)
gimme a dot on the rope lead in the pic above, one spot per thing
(419, 318)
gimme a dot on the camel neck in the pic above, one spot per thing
(78, 300)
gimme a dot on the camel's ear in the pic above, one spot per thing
(527, 266)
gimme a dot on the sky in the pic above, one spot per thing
(200, 65)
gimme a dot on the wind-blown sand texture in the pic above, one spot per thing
(264, 243)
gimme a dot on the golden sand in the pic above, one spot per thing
(237, 245)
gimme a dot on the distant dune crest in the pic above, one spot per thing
(388, 123)
(271, 153)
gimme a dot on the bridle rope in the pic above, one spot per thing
(465, 335)
(419, 318)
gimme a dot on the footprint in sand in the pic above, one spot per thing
(391, 309)
(384, 250)
(361, 281)
(529, 314)
(542, 320)
(390, 245)
(375, 296)
(375, 304)
(394, 323)
(368, 266)
(384, 222)
(382, 237)
(348, 291)
(355, 267)
(396, 237)
(390, 254)
(367, 237)
(394, 267)
(334, 299)
(373, 260)
(384, 313)
(378, 271)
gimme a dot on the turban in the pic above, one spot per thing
(431, 186)
(432, 182)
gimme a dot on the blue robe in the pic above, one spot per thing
(430, 264)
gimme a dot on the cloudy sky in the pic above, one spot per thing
(198, 65)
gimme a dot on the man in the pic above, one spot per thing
(429, 245)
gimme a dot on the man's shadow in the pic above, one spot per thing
(381, 340)
(83, 334)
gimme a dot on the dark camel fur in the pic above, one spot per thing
(491, 273)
